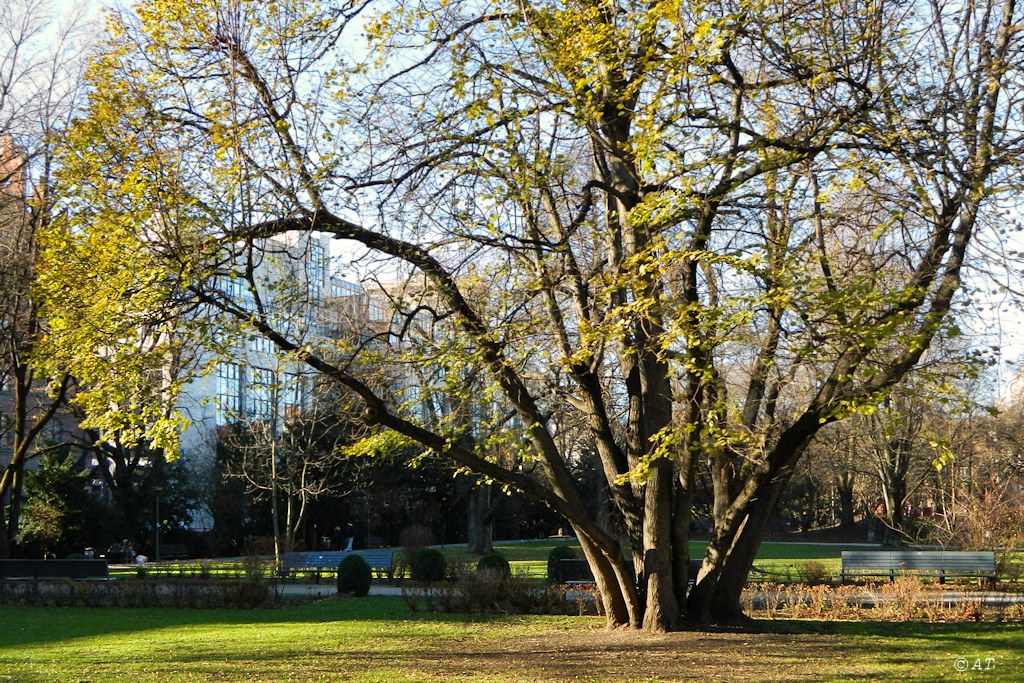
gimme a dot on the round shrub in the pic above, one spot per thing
(354, 576)
(429, 566)
(557, 554)
(495, 565)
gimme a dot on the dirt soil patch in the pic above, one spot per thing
(687, 656)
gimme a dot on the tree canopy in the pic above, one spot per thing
(693, 232)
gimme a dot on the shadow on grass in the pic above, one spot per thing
(24, 625)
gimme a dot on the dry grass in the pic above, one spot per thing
(905, 599)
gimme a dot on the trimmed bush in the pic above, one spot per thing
(429, 566)
(814, 573)
(557, 554)
(354, 576)
(495, 565)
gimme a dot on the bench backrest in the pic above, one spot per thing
(383, 559)
(574, 571)
(377, 559)
(909, 560)
(314, 560)
(173, 551)
(52, 569)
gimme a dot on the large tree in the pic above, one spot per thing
(703, 230)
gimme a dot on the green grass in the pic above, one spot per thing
(188, 569)
(377, 639)
(775, 561)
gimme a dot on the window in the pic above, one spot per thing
(229, 391)
(341, 288)
(261, 344)
(261, 394)
(235, 288)
(375, 311)
(315, 270)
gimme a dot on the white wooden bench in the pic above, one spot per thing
(936, 563)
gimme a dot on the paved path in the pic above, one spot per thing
(327, 589)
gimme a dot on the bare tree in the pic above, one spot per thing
(292, 457)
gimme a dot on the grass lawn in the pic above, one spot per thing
(377, 639)
(776, 562)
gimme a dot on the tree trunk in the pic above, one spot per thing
(715, 599)
(682, 516)
(14, 510)
(740, 529)
(615, 583)
(662, 611)
(894, 486)
(726, 604)
(844, 491)
(480, 520)
(5, 545)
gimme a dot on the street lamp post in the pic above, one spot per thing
(156, 526)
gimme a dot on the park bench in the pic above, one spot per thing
(173, 551)
(54, 569)
(930, 563)
(381, 562)
(572, 571)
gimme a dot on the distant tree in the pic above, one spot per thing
(61, 515)
(977, 494)
(836, 455)
(293, 459)
(40, 66)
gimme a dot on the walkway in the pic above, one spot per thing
(310, 591)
